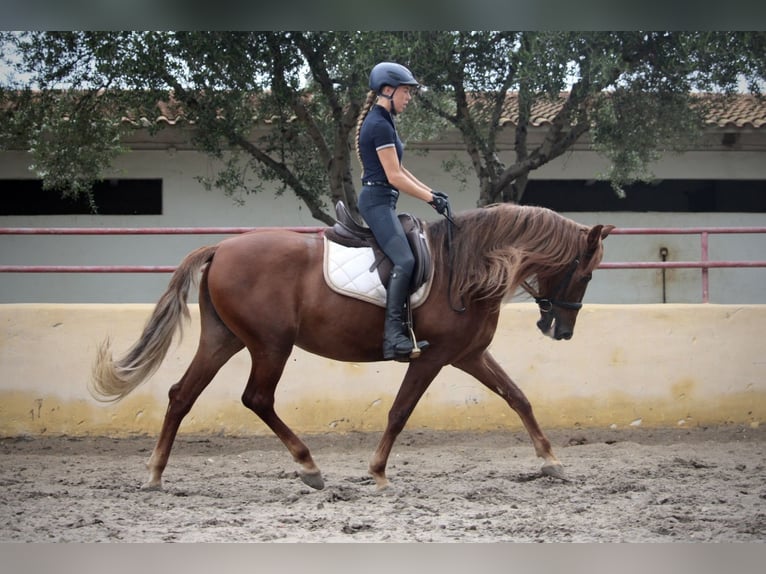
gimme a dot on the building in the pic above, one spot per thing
(720, 183)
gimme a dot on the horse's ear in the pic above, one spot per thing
(595, 235)
(606, 230)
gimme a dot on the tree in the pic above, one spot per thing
(629, 91)
(309, 85)
(633, 93)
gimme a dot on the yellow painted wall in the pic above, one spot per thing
(648, 365)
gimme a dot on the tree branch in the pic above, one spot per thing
(284, 174)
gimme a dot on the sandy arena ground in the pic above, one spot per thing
(635, 485)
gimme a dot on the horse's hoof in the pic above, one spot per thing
(385, 490)
(554, 470)
(382, 485)
(152, 486)
(312, 479)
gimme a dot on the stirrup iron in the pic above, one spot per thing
(417, 346)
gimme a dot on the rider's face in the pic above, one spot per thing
(402, 97)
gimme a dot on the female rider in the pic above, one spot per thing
(379, 148)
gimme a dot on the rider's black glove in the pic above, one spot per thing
(440, 202)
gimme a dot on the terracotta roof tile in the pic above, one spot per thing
(738, 111)
(742, 111)
(172, 113)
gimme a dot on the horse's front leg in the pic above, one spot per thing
(419, 375)
(484, 367)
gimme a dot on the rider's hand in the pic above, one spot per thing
(440, 202)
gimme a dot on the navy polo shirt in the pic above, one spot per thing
(378, 132)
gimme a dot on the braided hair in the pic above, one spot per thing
(363, 114)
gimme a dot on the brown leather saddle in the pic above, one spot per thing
(350, 233)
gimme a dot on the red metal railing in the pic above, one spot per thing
(121, 231)
(704, 264)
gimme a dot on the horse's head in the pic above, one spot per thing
(560, 294)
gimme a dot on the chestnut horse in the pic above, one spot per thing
(265, 290)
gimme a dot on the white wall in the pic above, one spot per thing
(627, 365)
(187, 204)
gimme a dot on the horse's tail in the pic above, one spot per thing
(111, 380)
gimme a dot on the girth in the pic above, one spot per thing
(349, 233)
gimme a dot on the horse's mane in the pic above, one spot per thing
(496, 248)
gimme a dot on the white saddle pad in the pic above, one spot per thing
(347, 271)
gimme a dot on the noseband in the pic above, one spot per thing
(547, 304)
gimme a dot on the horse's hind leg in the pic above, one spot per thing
(259, 397)
(491, 374)
(182, 397)
(217, 345)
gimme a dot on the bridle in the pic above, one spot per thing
(547, 304)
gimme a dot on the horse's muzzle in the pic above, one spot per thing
(545, 323)
(551, 326)
(563, 334)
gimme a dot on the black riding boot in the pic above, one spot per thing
(396, 341)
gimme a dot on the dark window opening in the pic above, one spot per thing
(111, 197)
(678, 195)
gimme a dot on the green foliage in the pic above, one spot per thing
(282, 106)
(633, 92)
(635, 129)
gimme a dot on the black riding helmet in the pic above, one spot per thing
(390, 74)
